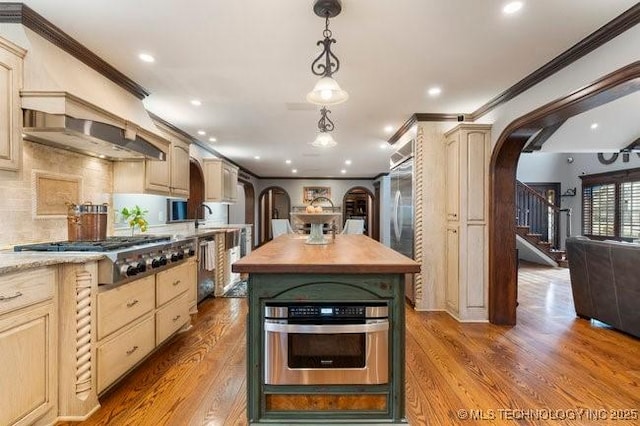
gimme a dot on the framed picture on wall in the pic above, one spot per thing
(309, 193)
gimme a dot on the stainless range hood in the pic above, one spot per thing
(87, 137)
(65, 121)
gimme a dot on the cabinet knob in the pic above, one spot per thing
(132, 350)
(132, 303)
(175, 283)
(177, 317)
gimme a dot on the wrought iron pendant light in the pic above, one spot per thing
(327, 91)
(326, 126)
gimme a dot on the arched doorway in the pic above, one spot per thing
(196, 190)
(358, 203)
(502, 176)
(274, 203)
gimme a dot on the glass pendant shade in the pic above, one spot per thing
(327, 91)
(324, 140)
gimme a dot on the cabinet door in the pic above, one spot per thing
(179, 168)
(27, 359)
(233, 192)
(158, 173)
(452, 269)
(213, 180)
(10, 112)
(230, 182)
(452, 178)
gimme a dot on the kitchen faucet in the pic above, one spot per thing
(206, 207)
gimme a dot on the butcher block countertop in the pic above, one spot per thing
(347, 254)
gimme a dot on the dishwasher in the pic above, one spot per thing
(206, 266)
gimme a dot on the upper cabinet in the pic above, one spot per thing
(170, 177)
(10, 111)
(179, 167)
(221, 181)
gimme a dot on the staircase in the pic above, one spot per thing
(536, 222)
(558, 256)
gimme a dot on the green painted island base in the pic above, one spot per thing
(325, 404)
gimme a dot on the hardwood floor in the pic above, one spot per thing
(552, 368)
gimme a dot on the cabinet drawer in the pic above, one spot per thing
(121, 305)
(22, 289)
(117, 355)
(171, 317)
(172, 282)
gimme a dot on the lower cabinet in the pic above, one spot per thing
(134, 318)
(28, 348)
(118, 354)
(171, 317)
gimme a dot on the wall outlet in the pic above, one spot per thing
(161, 216)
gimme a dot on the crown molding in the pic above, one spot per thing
(19, 13)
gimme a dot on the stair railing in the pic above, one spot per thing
(541, 216)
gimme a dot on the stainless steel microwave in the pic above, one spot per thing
(176, 210)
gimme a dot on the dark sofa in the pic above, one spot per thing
(605, 281)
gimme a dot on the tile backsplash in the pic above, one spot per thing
(17, 193)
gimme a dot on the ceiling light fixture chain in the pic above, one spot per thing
(331, 63)
(325, 124)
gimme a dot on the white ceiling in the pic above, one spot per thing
(248, 61)
(617, 126)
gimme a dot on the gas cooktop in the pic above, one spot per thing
(110, 244)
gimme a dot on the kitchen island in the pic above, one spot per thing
(354, 282)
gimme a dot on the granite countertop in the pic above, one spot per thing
(11, 261)
(205, 230)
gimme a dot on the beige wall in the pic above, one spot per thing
(17, 192)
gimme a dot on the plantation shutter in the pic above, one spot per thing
(599, 209)
(630, 209)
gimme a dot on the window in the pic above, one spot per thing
(611, 204)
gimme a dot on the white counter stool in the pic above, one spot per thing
(280, 227)
(353, 226)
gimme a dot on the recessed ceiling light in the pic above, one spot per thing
(343, 171)
(594, 126)
(287, 161)
(102, 156)
(257, 157)
(347, 162)
(202, 132)
(213, 140)
(384, 145)
(294, 170)
(434, 91)
(195, 102)
(388, 129)
(512, 7)
(146, 57)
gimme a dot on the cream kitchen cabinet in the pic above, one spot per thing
(174, 288)
(179, 168)
(221, 180)
(28, 349)
(467, 148)
(10, 113)
(126, 330)
(170, 177)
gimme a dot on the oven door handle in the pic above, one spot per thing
(326, 329)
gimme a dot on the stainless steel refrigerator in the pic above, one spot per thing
(402, 210)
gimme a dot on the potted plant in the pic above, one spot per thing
(136, 217)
